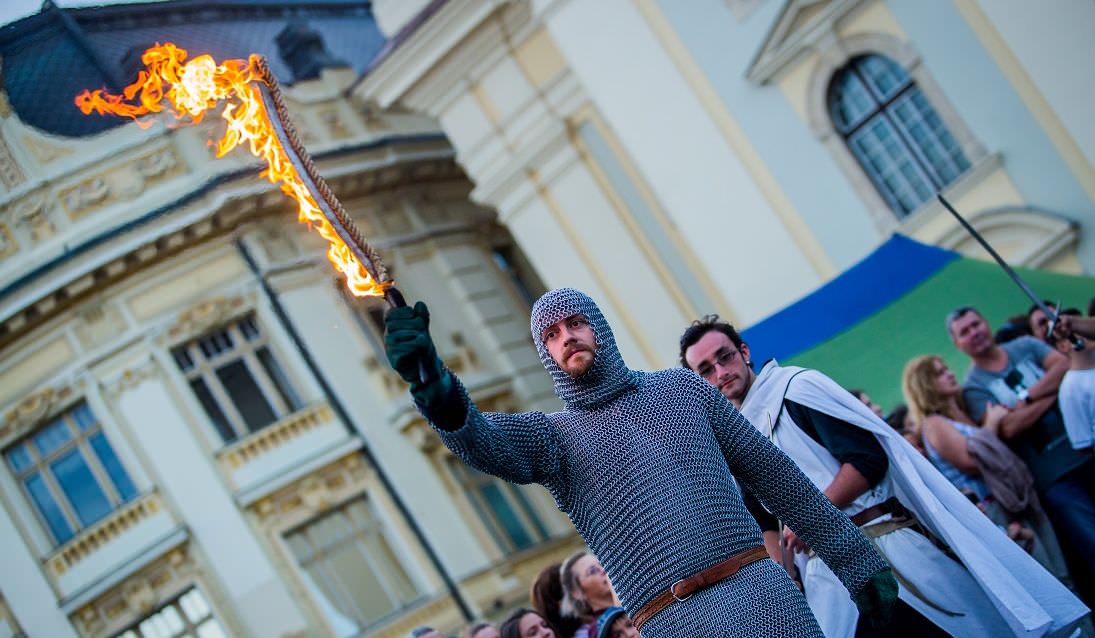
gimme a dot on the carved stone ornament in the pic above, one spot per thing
(205, 316)
(131, 378)
(7, 242)
(32, 410)
(85, 195)
(32, 214)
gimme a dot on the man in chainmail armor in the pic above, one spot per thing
(899, 499)
(645, 466)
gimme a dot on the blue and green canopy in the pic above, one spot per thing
(864, 325)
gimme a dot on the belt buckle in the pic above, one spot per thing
(673, 592)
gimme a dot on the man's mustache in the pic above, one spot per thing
(578, 347)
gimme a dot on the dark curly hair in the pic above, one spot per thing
(700, 327)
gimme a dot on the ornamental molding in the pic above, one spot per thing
(313, 494)
(206, 315)
(35, 409)
(131, 378)
(120, 183)
(801, 25)
(140, 594)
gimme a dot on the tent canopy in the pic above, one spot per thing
(864, 325)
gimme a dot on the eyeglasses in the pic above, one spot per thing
(723, 358)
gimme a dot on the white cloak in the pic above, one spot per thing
(1026, 598)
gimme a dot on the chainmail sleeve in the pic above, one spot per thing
(519, 448)
(786, 492)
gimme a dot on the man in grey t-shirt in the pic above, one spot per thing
(1024, 376)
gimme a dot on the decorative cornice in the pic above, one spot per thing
(139, 594)
(313, 494)
(131, 378)
(33, 410)
(801, 25)
(204, 316)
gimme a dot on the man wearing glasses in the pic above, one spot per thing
(890, 491)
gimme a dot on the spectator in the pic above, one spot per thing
(586, 589)
(526, 623)
(1037, 321)
(547, 599)
(424, 632)
(1024, 375)
(1077, 393)
(481, 630)
(976, 461)
(866, 400)
(615, 623)
(898, 418)
(1013, 328)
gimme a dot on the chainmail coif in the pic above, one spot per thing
(644, 464)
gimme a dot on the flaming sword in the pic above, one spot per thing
(1077, 343)
(255, 114)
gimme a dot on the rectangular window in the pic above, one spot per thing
(349, 566)
(70, 473)
(504, 508)
(236, 379)
(188, 616)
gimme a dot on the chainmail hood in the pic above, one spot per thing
(608, 377)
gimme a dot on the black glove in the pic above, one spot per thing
(407, 343)
(876, 600)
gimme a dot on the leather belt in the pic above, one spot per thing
(681, 590)
(889, 506)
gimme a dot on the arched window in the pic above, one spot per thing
(892, 129)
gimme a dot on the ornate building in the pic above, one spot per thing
(200, 435)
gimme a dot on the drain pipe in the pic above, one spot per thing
(344, 417)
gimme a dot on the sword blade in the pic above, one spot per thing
(999, 260)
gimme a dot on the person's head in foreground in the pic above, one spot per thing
(714, 350)
(586, 588)
(481, 630)
(526, 623)
(615, 623)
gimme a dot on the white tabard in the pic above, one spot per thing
(1001, 591)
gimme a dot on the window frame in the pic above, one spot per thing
(42, 465)
(833, 53)
(190, 626)
(883, 109)
(378, 530)
(469, 481)
(281, 395)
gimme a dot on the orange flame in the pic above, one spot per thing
(192, 88)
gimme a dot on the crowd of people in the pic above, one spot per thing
(572, 599)
(999, 465)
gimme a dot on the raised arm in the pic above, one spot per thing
(520, 448)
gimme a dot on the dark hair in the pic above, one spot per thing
(1011, 331)
(1091, 307)
(1045, 302)
(547, 595)
(896, 419)
(511, 626)
(958, 313)
(700, 327)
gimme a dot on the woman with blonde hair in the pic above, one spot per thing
(976, 461)
(586, 590)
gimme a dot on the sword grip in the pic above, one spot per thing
(395, 299)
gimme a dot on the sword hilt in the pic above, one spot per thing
(395, 299)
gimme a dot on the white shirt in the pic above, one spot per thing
(1076, 397)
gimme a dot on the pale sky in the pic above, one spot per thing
(12, 10)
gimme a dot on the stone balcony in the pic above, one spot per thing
(132, 535)
(268, 458)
